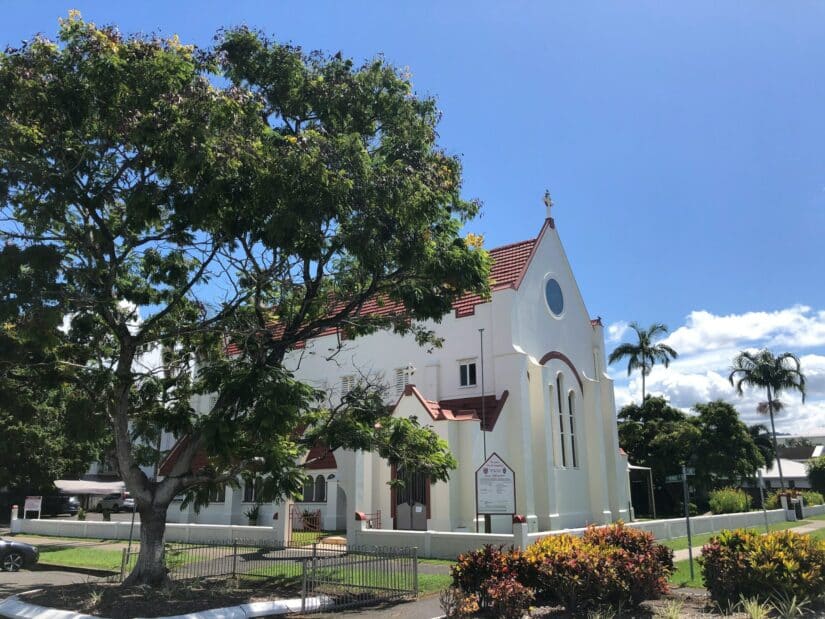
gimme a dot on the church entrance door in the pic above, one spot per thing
(411, 502)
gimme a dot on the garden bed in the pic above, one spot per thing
(118, 602)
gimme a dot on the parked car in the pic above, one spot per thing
(58, 504)
(17, 555)
(116, 501)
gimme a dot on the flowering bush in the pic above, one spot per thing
(729, 501)
(744, 564)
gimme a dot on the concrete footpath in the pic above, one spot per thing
(808, 527)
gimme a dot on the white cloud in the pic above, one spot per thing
(616, 331)
(707, 344)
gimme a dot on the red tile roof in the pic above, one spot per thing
(461, 409)
(508, 266)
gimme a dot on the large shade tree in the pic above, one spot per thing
(239, 200)
(645, 352)
(775, 374)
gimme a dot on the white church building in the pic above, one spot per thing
(521, 375)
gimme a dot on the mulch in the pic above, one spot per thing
(116, 601)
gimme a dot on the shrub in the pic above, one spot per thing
(81, 514)
(812, 497)
(473, 571)
(458, 605)
(746, 564)
(508, 598)
(615, 566)
(729, 501)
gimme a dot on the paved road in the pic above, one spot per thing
(25, 580)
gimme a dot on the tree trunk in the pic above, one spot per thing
(643, 386)
(773, 436)
(150, 568)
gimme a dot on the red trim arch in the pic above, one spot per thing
(555, 354)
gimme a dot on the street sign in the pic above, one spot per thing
(495, 487)
(674, 478)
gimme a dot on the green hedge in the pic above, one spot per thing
(729, 501)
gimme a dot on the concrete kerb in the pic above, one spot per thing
(14, 608)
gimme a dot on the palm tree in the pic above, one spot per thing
(773, 373)
(644, 354)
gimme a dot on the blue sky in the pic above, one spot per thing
(683, 143)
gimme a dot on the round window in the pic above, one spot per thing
(554, 296)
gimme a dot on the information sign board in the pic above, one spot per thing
(33, 504)
(495, 487)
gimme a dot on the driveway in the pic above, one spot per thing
(12, 583)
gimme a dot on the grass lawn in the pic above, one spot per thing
(304, 538)
(680, 543)
(95, 558)
(681, 577)
(820, 517)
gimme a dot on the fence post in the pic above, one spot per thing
(234, 558)
(304, 585)
(124, 558)
(415, 569)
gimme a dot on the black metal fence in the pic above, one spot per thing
(328, 576)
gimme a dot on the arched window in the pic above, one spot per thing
(309, 487)
(559, 391)
(320, 489)
(571, 408)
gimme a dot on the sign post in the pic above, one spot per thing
(495, 490)
(33, 504)
(686, 471)
(762, 497)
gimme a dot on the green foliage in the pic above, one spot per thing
(764, 443)
(811, 497)
(169, 200)
(729, 501)
(746, 564)
(657, 435)
(81, 514)
(714, 441)
(816, 473)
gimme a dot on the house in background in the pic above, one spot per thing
(537, 395)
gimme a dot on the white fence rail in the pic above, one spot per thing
(432, 544)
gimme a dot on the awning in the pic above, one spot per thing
(80, 486)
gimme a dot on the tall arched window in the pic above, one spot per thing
(320, 489)
(571, 409)
(309, 487)
(559, 392)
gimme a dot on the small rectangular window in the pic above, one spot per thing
(561, 422)
(217, 494)
(252, 490)
(347, 384)
(571, 400)
(402, 378)
(467, 373)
